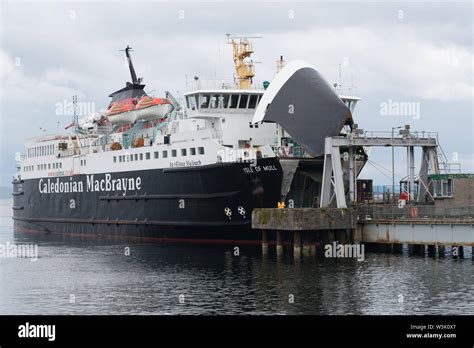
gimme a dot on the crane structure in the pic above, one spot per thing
(242, 51)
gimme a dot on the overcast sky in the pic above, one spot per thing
(392, 52)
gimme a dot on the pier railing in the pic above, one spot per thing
(373, 213)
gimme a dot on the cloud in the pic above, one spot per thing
(72, 48)
(20, 89)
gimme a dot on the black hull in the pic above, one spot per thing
(188, 204)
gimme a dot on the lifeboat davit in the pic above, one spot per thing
(143, 109)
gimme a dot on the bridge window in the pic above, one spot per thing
(156, 154)
(174, 153)
(141, 157)
(244, 98)
(204, 101)
(213, 102)
(192, 151)
(201, 150)
(165, 154)
(192, 101)
(253, 101)
(234, 101)
(224, 101)
(147, 156)
(183, 152)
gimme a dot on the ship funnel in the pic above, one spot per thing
(301, 101)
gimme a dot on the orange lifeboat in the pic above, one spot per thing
(145, 109)
(149, 108)
(121, 112)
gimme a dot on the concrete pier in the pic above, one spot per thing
(380, 228)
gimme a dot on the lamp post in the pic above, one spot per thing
(393, 163)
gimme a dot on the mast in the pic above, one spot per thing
(280, 64)
(135, 80)
(241, 51)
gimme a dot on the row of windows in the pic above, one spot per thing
(223, 101)
(156, 154)
(44, 150)
(43, 166)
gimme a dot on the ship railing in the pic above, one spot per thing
(388, 134)
(42, 138)
(216, 133)
(65, 153)
(346, 91)
(289, 151)
(71, 151)
(193, 85)
(104, 129)
(417, 212)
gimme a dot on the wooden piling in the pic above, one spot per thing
(279, 248)
(431, 250)
(421, 249)
(441, 250)
(312, 247)
(264, 242)
(297, 244)
(397, 248)
(309, 247)
(461, 251)
(341, 237)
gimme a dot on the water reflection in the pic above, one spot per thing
(98, 278)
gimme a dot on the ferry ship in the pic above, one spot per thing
(149, 167)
